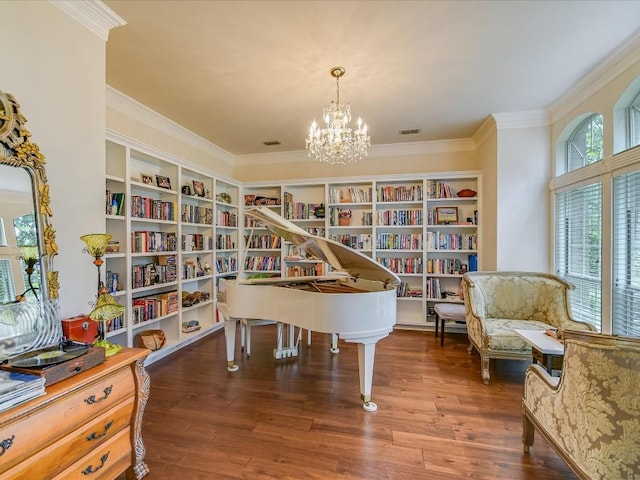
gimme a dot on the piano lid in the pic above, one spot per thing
(340, 257)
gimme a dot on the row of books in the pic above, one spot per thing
(444, 266)
(404, 290)
(224, 265)
(399, 217)
(114, 203)
(309, 270)
(299, 210)
(146, 241)
(360, 241)
(154, 306)
(226, 219)
(196, 214)
(394, 241)
(145, 207)
(153, 274)
(225, 242)
(451, 241)
(193, 242)
(349, 195)
(263, 241)
(115, 324)
(401, 193)
(438, 189)
(268, 263)
(402, 265)
(16, 388)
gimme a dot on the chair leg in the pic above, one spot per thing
(485, 369)
(470, 348)
(437, 324)
(528, 433)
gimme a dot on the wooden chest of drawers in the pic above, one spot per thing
(87, 426)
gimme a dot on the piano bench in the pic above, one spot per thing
(448, 312)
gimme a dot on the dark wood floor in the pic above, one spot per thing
(302, 418)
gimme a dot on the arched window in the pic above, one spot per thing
(633, 121)
(585, 144)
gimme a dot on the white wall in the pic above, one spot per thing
(55, 68)
(524, 168)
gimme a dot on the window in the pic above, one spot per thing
(626, 255)
(578, 248)
(634, 122)
(584, 146)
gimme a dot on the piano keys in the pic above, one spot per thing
(357, 301)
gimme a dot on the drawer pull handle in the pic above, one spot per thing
(95, 436)
(92, 399)
(89, 470)
(6, 444)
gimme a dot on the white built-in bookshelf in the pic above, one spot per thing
(174, 243)
(171, 244)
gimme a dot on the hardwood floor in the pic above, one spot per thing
(302, 418)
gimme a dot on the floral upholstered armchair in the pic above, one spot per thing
(496, 303)
(591, 416)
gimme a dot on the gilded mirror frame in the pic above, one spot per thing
(16, 150)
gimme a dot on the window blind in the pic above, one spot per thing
(578, 249)
(7, 290)
(626, 255)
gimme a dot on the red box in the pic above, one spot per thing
(80, 329)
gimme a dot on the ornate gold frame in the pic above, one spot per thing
(17, 150)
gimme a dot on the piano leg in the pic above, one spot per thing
(366, 355)
(230, 325)
(334, 343)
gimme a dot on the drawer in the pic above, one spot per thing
(32, 433)
(77, 444)
(105, 462)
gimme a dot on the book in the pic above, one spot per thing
(16, 388)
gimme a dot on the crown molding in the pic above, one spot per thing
(524, 119)
(136, 110)
(614, 64)
(94, 15)
(485, 130)
(375, 151)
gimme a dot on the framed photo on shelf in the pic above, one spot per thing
(163, 182)
(148, 179)
(198, 188)
(446, 215)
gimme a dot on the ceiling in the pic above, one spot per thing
(239, 73)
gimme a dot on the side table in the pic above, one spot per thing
(546, 350)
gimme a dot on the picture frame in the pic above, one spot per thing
(198, 188)
(163, 182)
(446, 215)
(148, 179)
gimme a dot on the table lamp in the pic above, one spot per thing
(106, 308)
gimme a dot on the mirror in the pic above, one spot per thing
(28, 284)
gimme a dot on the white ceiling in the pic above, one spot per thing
(239, 73)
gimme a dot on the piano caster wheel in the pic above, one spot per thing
(370, 406)
(233, 368)
(334, 350)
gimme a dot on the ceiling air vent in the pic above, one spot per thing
(272, 142)
(410, 131)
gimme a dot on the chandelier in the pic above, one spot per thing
(336, 142)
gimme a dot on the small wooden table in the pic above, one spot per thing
(545, 349)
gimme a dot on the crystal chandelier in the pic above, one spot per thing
(336, 142)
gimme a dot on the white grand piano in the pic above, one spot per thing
(357, 301)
